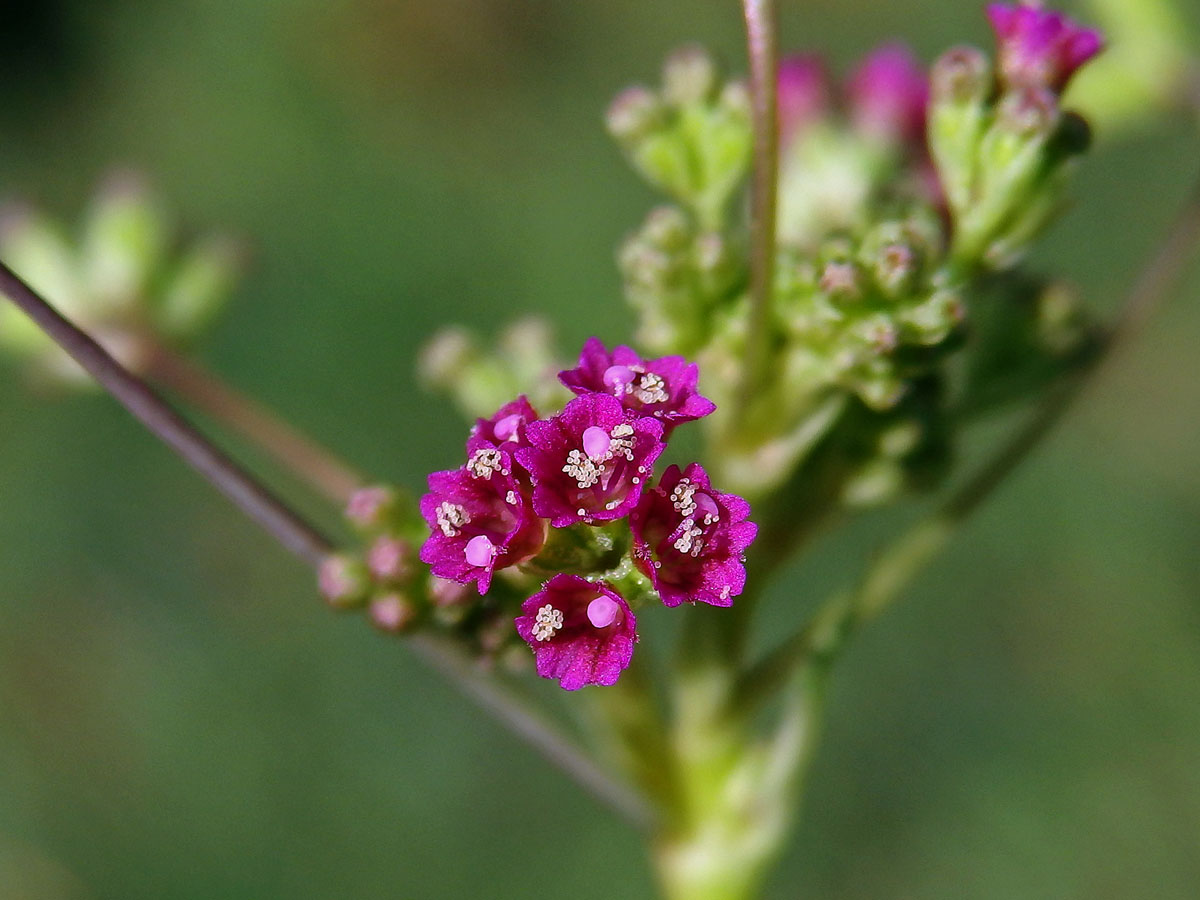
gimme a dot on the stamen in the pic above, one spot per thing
(484, 462)
(651, 388)
(451, 518)
(689, 540)
(682, 497)
(621, 441)
(584, 470)
(547, 623)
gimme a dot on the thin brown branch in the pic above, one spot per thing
(311, 462)
(152, 411)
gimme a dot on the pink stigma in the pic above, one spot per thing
(479, 551)
(506, 428)
(617, 378)
(596, 442)
(603, 611)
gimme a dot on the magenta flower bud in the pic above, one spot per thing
(390, 559)
(1039, 47)
(689, 539)
(803, 95)
(506, 427)
(581, 632)
(665, 388)
(888, 95)
(343, 581)
(590, 463)
(445, 593)
(391, 612)
(370, 507)
(480, 519)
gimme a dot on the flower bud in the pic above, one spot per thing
(371, 508)
(960, 82)
(689, 76)
(841, 281)
(124, 242)
(344, 581)
(390, 559)
(634, 113)
(199, 286)
(960, 76)
(392, 612)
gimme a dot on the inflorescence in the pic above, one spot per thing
(907, 200)
(583, 478)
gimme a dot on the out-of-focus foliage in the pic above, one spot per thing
(178, 716)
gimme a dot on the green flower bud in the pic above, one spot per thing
(689, 76)
(124, 244)
(959, 83)
(633, 114)
(199, 287)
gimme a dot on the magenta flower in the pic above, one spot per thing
(803, 95)
(888, 94)
(506, 427)
(480, 520)
(689, 539)
(1040, 48)
(590, 463)
(581, 632)
(665, 388)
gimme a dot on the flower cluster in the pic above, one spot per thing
(583, 479)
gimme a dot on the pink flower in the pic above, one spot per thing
(480, 519)
(1040, 48)
(590, 463)
(506, 427)
(581, 632)
(665, 388)
(689, 539)
(803, 95)
(888, 95)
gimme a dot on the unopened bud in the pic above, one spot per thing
(343, 581)
(841, 281)
(392, 612)
(371, 507)
(390, 559)
(960, 75)
(446, 593)
(635, 112)
(1029, 111)
(445, 356)
(689, 76)
(895, 268)
(667, 228)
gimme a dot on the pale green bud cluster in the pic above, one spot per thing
(675, 276)
(125, 279)
(482, 379)
(1003, 157)
(690, 138)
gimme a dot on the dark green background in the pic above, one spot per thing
(181, 717)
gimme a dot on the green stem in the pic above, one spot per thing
(762, 45)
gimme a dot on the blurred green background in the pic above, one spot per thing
(181, 717)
